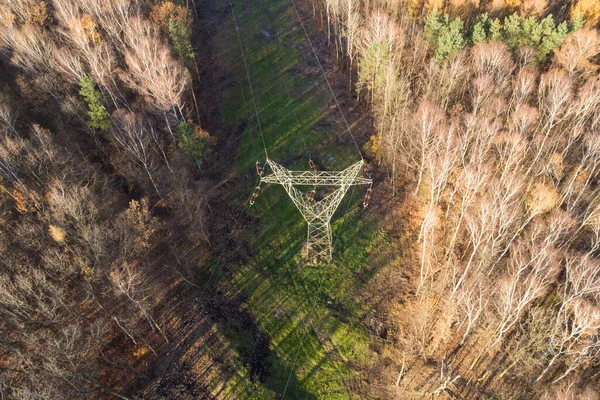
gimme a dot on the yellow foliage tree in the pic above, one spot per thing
(90, 27)
(141, 222)
(589, 9)
(26, 200)
(162, 13)
(37, 13)
(374, 146)
(541, 199)
(57, 233)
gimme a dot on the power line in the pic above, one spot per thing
(315, 298)
(253, 143)
(238, 216)
(248, 77)
(287, 90)
(314, 303)
(237, 219)
(327, 80)
(261, 135)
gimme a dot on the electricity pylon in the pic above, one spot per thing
(317, 213)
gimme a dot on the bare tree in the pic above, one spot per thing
(30, 297)
(582, 175)
(576, 336)
(71, 202)
(128, 281)
(8, 114)
(570, 389)
(378, 41)
(579, 47)
(481, 89)
(511, 150)
(427, 239)
(152, 70)
(555, 93)
(82, 30)
(527, 280)
(494, 60)
(351, 32)
(470, 182)
(10, 160)
(524, 84)
(471, 302)
(479, 229)
(67, 63)
(427, 121)
(132, 136)
(31, 48)
(113, 16)
(441, 161)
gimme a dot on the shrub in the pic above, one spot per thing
(57, 233)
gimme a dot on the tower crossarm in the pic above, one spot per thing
(320, 178)
(282, 175)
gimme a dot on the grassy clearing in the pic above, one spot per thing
(291, 302)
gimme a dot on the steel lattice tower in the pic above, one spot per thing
(317, 213)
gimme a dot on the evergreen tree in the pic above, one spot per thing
(495, 34)
(180, 36)
(191, 141)
(479, 34)
(99, 117)
(543, 35)
(444, 35)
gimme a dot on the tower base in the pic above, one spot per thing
(318, 244)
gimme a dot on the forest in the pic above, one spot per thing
(132, 265)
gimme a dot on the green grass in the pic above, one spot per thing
(293, 303)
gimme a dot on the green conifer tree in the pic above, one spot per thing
(191, 142)
(180, 36)
(446, 36)
(99, 117)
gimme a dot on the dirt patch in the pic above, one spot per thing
(239, 321)
(215, 79)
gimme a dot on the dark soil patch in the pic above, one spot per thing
(238, 322)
